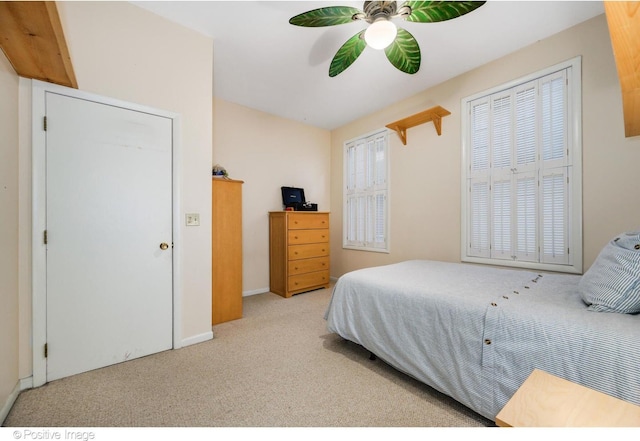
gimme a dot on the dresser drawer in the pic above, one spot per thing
(304, 221)
(308, 265)
(297, 237)
(307, 251)
(303, 281)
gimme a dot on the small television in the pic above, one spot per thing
(293, 197)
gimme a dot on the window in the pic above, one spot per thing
(521, 198)
(366, 187)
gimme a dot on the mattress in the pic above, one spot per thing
(476, 332)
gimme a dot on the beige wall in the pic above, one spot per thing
(121, 51)
(268, 152)
(425, 174)
(8, 233)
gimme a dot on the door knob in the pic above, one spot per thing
(164, 246)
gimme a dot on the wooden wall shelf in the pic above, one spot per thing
(32, 39)
(434, 114)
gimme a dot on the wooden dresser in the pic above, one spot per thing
(298, 251)
(226, 249)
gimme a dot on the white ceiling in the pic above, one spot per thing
(263, 62)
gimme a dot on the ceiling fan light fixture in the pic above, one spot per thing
(380, 33)
(400, 47)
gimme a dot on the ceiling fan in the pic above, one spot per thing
(400, 47)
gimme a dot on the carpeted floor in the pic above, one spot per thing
(276, 367)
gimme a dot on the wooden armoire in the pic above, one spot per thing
(226, 250)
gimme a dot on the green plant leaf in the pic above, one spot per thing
(329, 16)
(404, 52)
(347, 54)
(434, 11)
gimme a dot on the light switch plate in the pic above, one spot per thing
(192, 219)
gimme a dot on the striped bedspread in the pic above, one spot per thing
(475, 333)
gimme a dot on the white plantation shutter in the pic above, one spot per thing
(501, 220)
(553, 97)
(350, 227)
(554, 169)
(526, 221)
(370, 164)
(501, 132)
(501, 159)
(554, 217)
(370, 219)
(350, 167)
(360, 220)
(360, 165)
(479, 214)
(479, 202)
(381, 162)
(518, 172)
(365, 193)
(380, 216)
(480, 136)
(525, 126)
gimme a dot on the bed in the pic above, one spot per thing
(475, 332)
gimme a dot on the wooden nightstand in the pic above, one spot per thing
(545, 400)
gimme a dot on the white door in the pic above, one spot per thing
(109, 294)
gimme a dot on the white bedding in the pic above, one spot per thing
(475, 333)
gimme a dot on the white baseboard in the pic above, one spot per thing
(26, 383)
(254, 292)
(197, 339)
(11, 399)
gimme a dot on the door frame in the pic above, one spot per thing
(39, 89)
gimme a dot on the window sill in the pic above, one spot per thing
(531, 266)
(375, 250)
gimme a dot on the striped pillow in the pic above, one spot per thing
(612, 283)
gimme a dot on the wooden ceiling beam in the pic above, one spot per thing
(623, 18)
(31, 37)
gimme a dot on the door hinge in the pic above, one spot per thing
(46, 350)
(46, 238)
(45, 124)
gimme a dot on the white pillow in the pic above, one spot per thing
(612, 283)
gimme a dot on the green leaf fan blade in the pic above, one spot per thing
(434, 11)
(347, 54)
(329, 16)
(404, 52)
